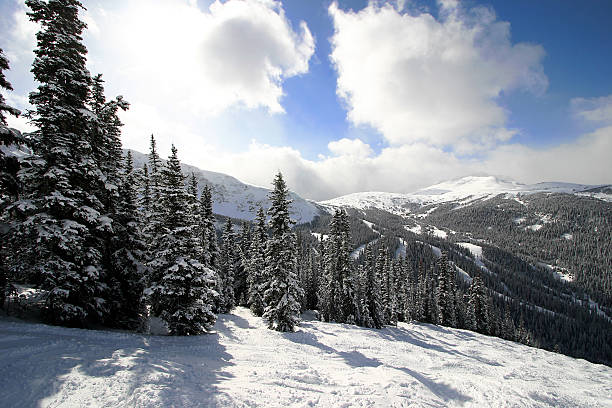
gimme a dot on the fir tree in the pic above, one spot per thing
(128, 276)
(241, 268)
(227, 268)
(256, 279)
(4, 84)
(9, 166)
(477, 306)
(445, 294)
(182, 288)
(372, 290)
(282, 289)
(62, 210)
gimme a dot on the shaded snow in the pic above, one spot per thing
(322, 364)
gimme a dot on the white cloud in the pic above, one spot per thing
(597, 110)
(199, 62)
(350, 147)
(415, 78)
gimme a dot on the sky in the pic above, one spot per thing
(350, 95)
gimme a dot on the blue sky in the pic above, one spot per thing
(354, 95)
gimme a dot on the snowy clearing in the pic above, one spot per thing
(415, 230)
(322, 364)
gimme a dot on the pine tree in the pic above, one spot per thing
(282, 290)
(181, 288)
(227, 268)
(445, 294)
(62, 213)
(241, 271)
(372, 290)
(4, 84)
(9, 166)
(477, 306)
(128, 271)
(256, 265)
(208, 231)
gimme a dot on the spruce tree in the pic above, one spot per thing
(282, 288)
(181, 288)
(477, 306)
(128, 272)
(9, 166)
(372, 290)
(256, 279)
(242, 260)
(227, 268)
(445, 294)
(4, 84)
(62, 210)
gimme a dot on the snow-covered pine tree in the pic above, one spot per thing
(445, 293)
(241, 268)
(208, 230)
(282, 290)
(477, 314)
(372, 289)
(128, 271)
(61, 211)
(228, 258)
(340, 304)
(256, 279)
(6, 85)
(181, 287)
(9, 166)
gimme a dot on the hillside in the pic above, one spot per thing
(235, 199)
(323, 364)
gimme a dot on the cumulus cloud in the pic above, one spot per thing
(350, 147)
(236, 52)
(418, 78)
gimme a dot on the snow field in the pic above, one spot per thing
(323, 364)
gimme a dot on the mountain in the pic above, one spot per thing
(462, 191)
(235, 199)
(543, 250)
(242, 363)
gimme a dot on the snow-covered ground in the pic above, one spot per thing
(243, 364)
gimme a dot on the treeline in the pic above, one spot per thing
(110, 244)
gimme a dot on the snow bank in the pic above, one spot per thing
(322, 364)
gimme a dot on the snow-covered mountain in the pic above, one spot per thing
(233, 198)
(462, 191)
(242, 363)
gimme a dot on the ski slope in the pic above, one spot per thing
(323, 364)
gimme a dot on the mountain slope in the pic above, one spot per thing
(462, 192)
(233, 198)
(322, 364)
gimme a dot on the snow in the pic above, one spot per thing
(357, 252)
(318, 235)
(235, 199)
(401, 249)
(438, 232)
(416, 229)
(323, 364)
(370, 225)
(535, 227)
(463, 191)
(391, 202)
(567, 236)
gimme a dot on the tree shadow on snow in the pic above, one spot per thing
(352, 358)
(55, 364)
(429, 342)
(441, 390)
